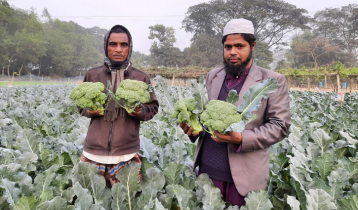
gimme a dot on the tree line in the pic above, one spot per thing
(47, 46)
(331, 35)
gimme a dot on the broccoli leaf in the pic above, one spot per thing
(253, 97)
(233, 97)
(84, 198)
(200, 94)
(172, 173)
(11, 192)
(324, 165)
(257, 200)
(236, 127)
(318, 199)
(293, 202)
(81, 173)
(27, 203)
(349, 204)
(56, 203)
(129, 180)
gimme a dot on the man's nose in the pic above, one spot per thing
(233, 51)
(119, 48)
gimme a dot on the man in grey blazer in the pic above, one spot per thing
(239, 162)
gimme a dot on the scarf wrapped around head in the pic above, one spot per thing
(117, 73)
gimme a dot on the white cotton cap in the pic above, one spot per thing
(239, 26)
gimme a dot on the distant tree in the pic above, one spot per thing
(340, 26)
(313, 48)
(162, 50)
(99, 33)
(205, 50)
(30, 43)
(11, 21)
(140, 60)
(272, 19)
(71, 49)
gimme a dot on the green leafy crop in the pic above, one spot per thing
(183, 111)
(89, 95)
(132, 93)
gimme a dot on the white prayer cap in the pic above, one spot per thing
(238, 26)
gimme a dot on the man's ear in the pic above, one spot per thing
(253, 46)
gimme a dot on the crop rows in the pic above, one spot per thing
(41, 138)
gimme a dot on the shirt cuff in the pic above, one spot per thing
(237, 148)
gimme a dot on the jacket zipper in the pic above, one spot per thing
(110, 138)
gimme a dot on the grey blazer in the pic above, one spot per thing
(250, 167)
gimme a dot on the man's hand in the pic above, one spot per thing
(229, 137)
(95, 113)
(188, 130)
(137, 111)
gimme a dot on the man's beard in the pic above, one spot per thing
(238, 69)
(117, 64)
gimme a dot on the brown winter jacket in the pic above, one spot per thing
(121, 136)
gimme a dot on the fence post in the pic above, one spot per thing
(350, 84)
(173, 80)
(325, 81)
(309, 82)
(338, 84)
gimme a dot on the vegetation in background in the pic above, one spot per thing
(55, 48)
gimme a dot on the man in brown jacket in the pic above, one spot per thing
(237, 162)
(113, 137)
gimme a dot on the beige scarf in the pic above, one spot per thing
(114, 110)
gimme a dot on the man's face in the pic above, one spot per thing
(118, 46)
(237, 50)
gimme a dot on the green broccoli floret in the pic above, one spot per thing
(219, 115)
(183, 112)
(132, 93)
(89, 95)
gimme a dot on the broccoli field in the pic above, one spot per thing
(42, 133)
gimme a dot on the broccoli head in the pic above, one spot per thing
(89, 95)
(183, 112)
(219, 115)
(132, 93)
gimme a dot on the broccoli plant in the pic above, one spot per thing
(188, 109)
(226, 117)
(130, 94)
(89, 95)
(219, 115)
(183, 111)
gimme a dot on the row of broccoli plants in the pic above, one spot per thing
(28, 160)
(40, 170)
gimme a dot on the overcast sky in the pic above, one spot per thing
(138, 15)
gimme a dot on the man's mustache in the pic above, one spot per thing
(234, 58)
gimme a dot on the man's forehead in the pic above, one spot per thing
(118, 37)
(234, 39)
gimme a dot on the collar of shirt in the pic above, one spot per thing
(231, 81)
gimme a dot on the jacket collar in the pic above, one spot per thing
(126, 72)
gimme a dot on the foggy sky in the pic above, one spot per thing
(138, 15)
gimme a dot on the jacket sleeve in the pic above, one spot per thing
(151, 108)
(277, 121)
